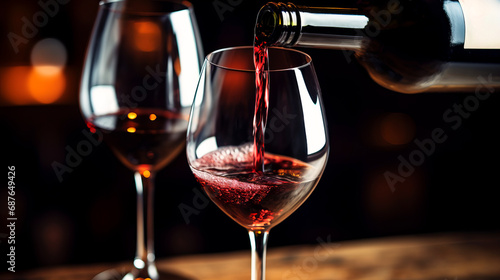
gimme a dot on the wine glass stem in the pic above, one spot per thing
(145, 258)
(258, 242)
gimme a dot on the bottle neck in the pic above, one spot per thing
(288, 25)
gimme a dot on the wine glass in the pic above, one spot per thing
(222, 144)
(138, 84)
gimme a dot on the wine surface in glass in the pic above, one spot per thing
(256, 200)
(143, 139)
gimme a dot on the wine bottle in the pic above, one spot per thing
(407, 46)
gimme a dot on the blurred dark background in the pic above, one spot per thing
(89, 215)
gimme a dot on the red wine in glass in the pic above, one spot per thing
(255, 200)
(143, 139)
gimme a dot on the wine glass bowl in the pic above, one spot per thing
(137, 87)
(221, 138)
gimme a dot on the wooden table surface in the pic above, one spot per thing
(449, 256)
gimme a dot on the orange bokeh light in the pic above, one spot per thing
(46, 85)
(132, 115)
(147, 36)
(24, 85)
(146, 173)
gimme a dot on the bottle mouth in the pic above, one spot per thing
(276, 25)
(266, 23)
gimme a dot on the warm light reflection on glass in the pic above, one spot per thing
(146, 173)
(152, 117)
(131, 129)
(177, 66)
(132, 115)
(147, 36)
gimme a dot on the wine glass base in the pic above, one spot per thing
(123, 273)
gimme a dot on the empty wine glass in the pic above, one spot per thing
(138, 84)
(221, 144)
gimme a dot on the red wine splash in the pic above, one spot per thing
(261, 102)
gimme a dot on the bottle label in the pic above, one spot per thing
(482, 24)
